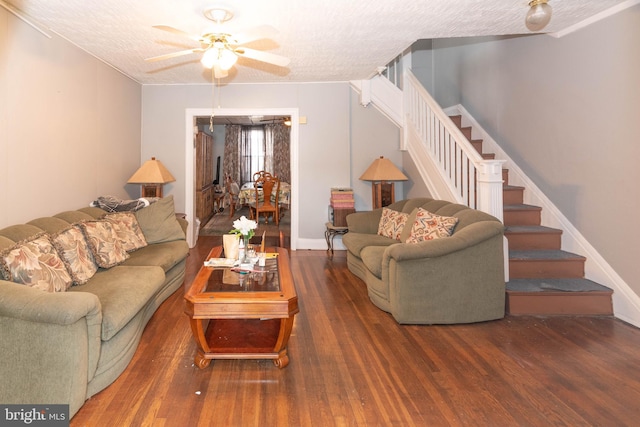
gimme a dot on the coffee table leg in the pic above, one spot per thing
(198, 328)
(201, 361)
(282, 360)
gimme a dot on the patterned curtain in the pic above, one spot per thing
(238, 156)
(277, 138)
(231, 154)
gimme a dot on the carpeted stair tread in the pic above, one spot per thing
(555, 285)
(531, 229)
(522, 207)
(547, 254)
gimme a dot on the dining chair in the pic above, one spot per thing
(232, 192)
(266, 183)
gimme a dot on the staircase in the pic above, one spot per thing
(543, 279)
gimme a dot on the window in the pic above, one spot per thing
(252, 152)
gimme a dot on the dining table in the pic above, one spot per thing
(247, 194)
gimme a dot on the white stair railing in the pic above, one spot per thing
(471, 179)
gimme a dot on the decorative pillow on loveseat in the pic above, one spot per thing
(75, 253)
(392, 223)
(104, 243)
(35, 263)
(429, 226)
(128, 230)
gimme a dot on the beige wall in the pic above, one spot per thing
(339, 138)
(69, 125)
(566, 110)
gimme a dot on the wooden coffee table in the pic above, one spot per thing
(243, 316)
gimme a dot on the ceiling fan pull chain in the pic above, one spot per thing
(213, 100)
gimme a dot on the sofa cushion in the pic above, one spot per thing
(35, 263)
(123, 291)
(104, 243)
(128, 230)
(429, 226)
(158, 222)
(372, 259)
(50, 224)
(75, 253)
(165, 255)
(74, 216)
(391, 223)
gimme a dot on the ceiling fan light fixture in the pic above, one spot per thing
(226, 59)
(223, 58)
(539, 15)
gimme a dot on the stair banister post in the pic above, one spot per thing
(490, 187)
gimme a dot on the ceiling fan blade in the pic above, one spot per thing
(258, 55)
(173, 55)
(255, 33)
(177, 31)
(219, 73)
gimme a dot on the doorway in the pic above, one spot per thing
(191, 115)
(267, 139)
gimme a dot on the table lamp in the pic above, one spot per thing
(152, 175)
(380, 173)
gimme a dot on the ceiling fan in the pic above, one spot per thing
(220, 50)
(278, 120)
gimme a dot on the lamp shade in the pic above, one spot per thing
(383, 170)
(151, 172)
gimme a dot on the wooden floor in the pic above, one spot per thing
(353, 365)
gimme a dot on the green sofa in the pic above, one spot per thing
(64, 347)
(455, 279)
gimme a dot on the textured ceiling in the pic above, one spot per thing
(326, 40)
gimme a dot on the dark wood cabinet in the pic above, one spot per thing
(204, 177)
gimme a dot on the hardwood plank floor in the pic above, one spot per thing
(353, 365)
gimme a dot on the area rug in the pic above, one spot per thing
(221, 224)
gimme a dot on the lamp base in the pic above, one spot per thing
(382, 194)
(152, 190)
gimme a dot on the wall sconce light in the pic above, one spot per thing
(380, 173)
(152, 175)
(538, 16)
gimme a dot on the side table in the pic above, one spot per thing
(331, 232)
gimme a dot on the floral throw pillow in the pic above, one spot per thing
(392, 223)
(35, 263)
(429, 226)
(75, 254)
(104, 243)
(128, 230)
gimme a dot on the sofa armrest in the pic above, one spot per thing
(184, 224)
(364, 222)
(49, 345)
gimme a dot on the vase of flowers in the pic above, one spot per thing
(246, 229)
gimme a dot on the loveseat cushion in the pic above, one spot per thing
(391, 223)
(429, 226)
(165, 255)
(372, 259)
(355, 242)
(123, 291)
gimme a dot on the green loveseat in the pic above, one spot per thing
(64, 347)
(455, 279)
